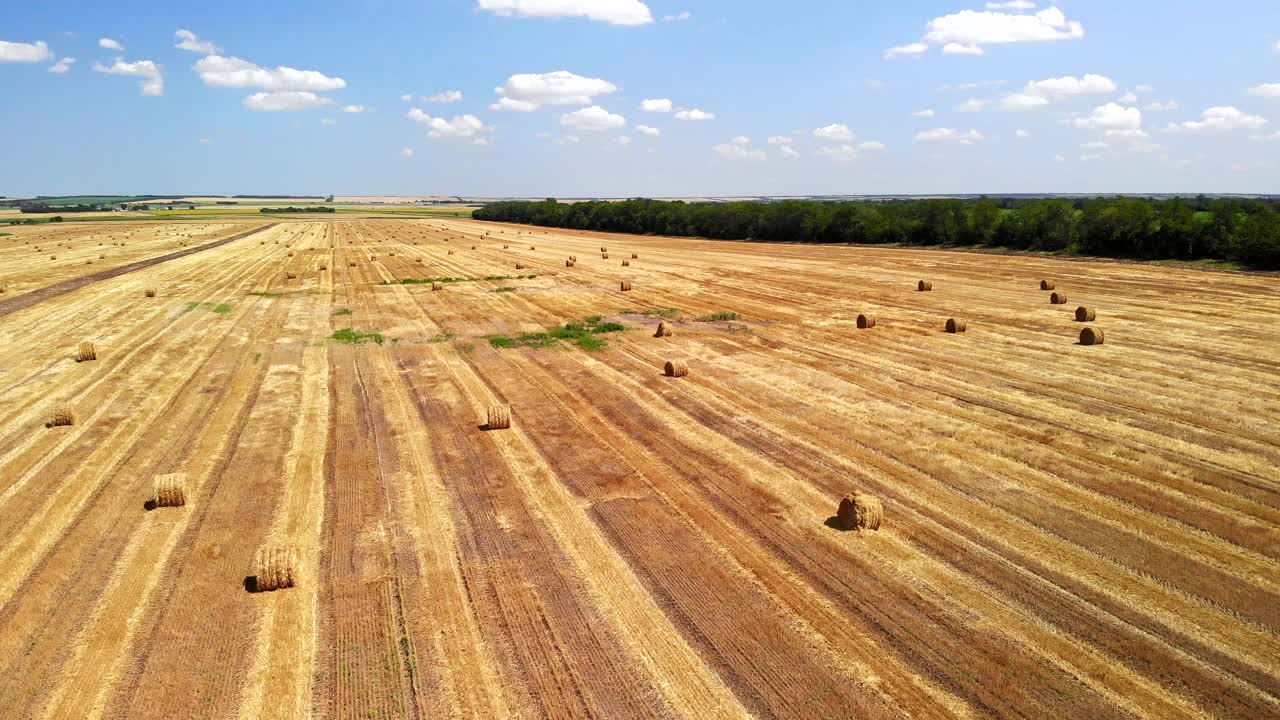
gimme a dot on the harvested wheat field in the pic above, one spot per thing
(1064, 530)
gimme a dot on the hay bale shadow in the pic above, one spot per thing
(251, 583)
(150, 505)
(834, 523)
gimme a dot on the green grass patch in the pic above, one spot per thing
(442, 337)
(585, 335)
(267, 294)
(343, 311)
(356, 337)
(718, 316)
(6, 234)
(220, 308)
(505, 289)
(664, 313)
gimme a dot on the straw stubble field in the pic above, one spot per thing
(1067, 530)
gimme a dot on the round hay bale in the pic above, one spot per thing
(604, 249)
(1086, 314)
(1091, 336)
(149, 292)
(664, 330)
(568, 263)
(274, 568)
(86, 352)
(1046, 285)
(956, 326)
(519, 266)
(63, 416)
(626, 286)
(924, 286)
(499, 417)
(473, 247)
(635, 256)
(351, 263)
(449, 253)
(170, 490)
(506, 247)
(676, 368)
(532, 247)
(859, 511)
(323, 266)
(1058, 298)
(604, 256)
(626, 263)
(866, 322)
(436, 286)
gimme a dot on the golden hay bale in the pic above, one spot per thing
(519, 266)
(86, 352)
(290, 253)
(532, 247)
(604, 249)
(170, 490)
(499, 417)
(149, 292)
(1046, 285)
(102, 257)
(635, 256)
(473, 247)
(626, 286)
(324, 266)
(351, 263)
(1086, 314)
(626, 263)
(53, 257)
(866, 321)
(956, 326)
(604, 256)
(676, 368)
(568, 263)
(62, 416)
(506, 247)
(924, 286)
(859, 511)
(437, 286)
(1091, 336)
(1058, 298)
(664, 330)
(274, 568)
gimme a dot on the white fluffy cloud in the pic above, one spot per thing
(835, 132)
(593, 119)
(780, 140)
(908, 49)
(1217, 119)
(614, 12)
(406, 97)
(788, 152)
(695, 115)
(448, 96)
(650, 131)
(462, 127)
(972, 28)
(923, 113)
(739, 148)
(354, 109)
(406, 152)
(1270, 90)
(285, 101)
(656, 105)
(188, 41)
(949, 135)
(1128, 98)
(24, 52)
(1112, 118)
(962, 49)
(1039, 93)
(62, 66)
(232, 72)
(530, 91)
(152, 81)
(109, 44)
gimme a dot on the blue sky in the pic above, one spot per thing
(808, 97)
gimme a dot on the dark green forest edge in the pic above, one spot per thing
(1243, 231)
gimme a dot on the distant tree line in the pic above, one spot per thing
(39, 207)
(1239, 230)
(292, 209)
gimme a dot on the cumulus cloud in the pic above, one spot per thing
(152, 81)
(354, 109)
(109, 44)
(908, 49)
(1270, 90)
(1112, 118)
(232, 72)
(462, 127)
(835, 132)
(1217, 119)
(188, 41)
(739, 148)
(949, 135)
(650, 131)
(406, 152)
(1039, 93)
(656, 105)
(285, 101)
(24, 52)
(614, 12)
(592, 119)
(972, 28)
(62, 66)
(962, 49)
(923, 113)
(695, 115)
(448, 96)
(528, 92)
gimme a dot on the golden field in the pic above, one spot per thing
(1069, 531)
